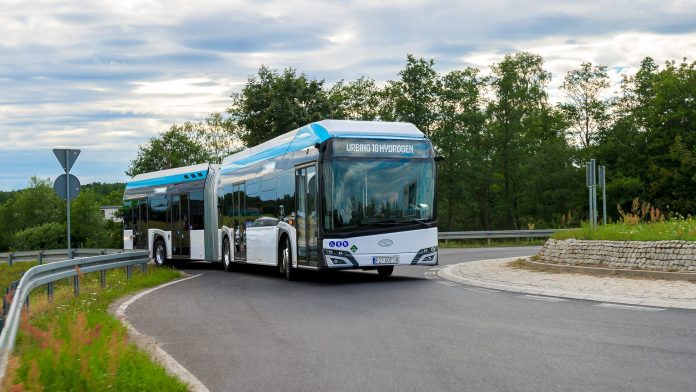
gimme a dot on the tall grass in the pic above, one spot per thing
(673, 229)
(74, 344)
(643, 223)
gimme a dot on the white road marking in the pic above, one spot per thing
(541, 298)
(162, 356)
(480, 290)
(430, 273)
(435, 269)
(447, 283)
(628, 307)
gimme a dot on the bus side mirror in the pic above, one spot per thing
(439, 158)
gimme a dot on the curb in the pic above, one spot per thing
(617, 272)
(446, 273)
(150, 345)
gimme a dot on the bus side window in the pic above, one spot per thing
(197, 209)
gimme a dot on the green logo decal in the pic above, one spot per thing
(353, 248)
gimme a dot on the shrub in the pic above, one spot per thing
(51, 235)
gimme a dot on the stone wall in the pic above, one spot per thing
(647, 255)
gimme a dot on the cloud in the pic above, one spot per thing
(106, 76)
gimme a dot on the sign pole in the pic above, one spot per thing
(67, 192)
(594, 192)
(603, 184)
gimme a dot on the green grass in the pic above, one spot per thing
(493, 243)
(74, 344)
(8, 273)
(677, 229)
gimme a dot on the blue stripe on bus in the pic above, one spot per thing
(173, 179)
(307, 136)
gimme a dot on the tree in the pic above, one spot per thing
(170, 149)
(519, 83)
(33, 206)
(356, 100)
(460, 137)
(414, 96)
(218, 135)
(273, 103)
(586, 110)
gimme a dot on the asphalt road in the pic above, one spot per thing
(252, 330)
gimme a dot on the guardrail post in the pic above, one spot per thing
(76, 285)
(102, 278)
(26, 302)
(143, 267)
(49, 291)
(129, 271)
(9, 258)
(5, 304)
(102, 252)
(40, 257)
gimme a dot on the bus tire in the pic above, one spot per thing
(385, 270)
(284, 252)
(227, 255)
(160, 253)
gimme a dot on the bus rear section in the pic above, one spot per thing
(172, 214)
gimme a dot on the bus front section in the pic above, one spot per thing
(378, 205)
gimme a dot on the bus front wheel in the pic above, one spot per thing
(385, 270)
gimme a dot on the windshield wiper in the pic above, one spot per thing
(422, 222)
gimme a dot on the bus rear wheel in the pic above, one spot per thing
(385, 270)
(160, 253)
(285, 259)
(227, 255)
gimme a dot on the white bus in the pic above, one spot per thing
(330, 195)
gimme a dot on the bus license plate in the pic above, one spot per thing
(385, 259)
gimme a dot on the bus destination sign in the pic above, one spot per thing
(415, 149)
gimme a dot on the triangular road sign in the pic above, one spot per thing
(66, 160)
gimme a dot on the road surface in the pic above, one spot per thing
(252, 330)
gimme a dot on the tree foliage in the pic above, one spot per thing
(273, 103)
(173, 148)
(585, 110)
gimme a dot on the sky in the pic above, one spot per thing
(105, 76)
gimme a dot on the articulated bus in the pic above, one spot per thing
(330, 195)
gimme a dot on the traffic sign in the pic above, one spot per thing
(61, 187)
(66, 157)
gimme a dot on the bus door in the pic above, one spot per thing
(240, 222)
(306, 220)
(140, 225)
(179, 212)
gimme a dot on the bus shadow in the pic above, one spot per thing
(306, 276)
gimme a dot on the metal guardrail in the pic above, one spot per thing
(47, 274)
(479, 235)
(52, 254)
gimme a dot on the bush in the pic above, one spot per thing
(51, 235)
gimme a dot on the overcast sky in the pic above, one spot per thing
(104, 76)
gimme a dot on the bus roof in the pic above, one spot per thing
(169, 176)
(320, 131)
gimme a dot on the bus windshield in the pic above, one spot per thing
(377, 191)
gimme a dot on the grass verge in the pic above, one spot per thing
(677, 229)
(74, 344)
